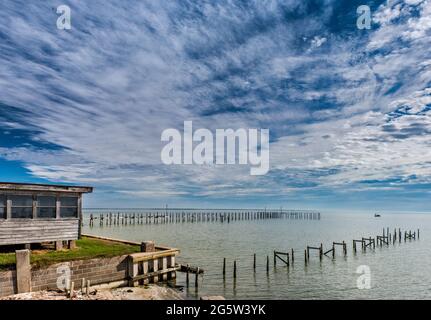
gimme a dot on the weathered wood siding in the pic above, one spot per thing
(19, 231)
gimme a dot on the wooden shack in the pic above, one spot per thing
(38, 213)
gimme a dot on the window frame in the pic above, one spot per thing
(49, 207)
(9, 197)
(69, 207)
(3, 206)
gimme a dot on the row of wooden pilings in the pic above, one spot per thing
(121, 219)
(288, 258)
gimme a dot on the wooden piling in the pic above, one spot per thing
(71, 289)
(197, 278)
(254, 262)
(234, 269)
(224, 267)
(187, 276)
(321, 252)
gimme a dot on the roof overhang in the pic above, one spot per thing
(13, 186)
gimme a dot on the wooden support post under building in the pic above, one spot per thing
(58, 245)
(72, 244)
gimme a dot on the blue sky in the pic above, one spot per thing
(348, 110)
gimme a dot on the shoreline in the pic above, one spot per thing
(147, 292)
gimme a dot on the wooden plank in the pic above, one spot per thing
(155, 270)
(145, 271)
(57, 208)
(80, 217)
(8, 186)
(158, 247)
(172, 265)
(164, 268)
(145, 256)
(154, 274)
(17, 231)
(8, 209)
(191, 269)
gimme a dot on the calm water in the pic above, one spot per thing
(400, 271)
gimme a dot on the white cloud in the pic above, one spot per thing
(106, 90)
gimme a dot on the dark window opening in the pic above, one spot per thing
(22, 213)
(69, 212)
(46, 207)
(69, 207)
(22, 207)
(2, 207)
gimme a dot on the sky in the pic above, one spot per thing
(348, 109)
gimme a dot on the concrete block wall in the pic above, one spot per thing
(98, 271)
(7, 283)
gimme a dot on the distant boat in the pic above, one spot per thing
(376, 215)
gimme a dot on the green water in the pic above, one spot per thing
(398, 271)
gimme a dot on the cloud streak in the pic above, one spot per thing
(343, 106)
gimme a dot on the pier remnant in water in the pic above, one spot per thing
(320, 249)
(187, 276)
(279, 255)
(197, 278)
(224, 267)
(193, 216)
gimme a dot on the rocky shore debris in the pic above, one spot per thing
(150, 292)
